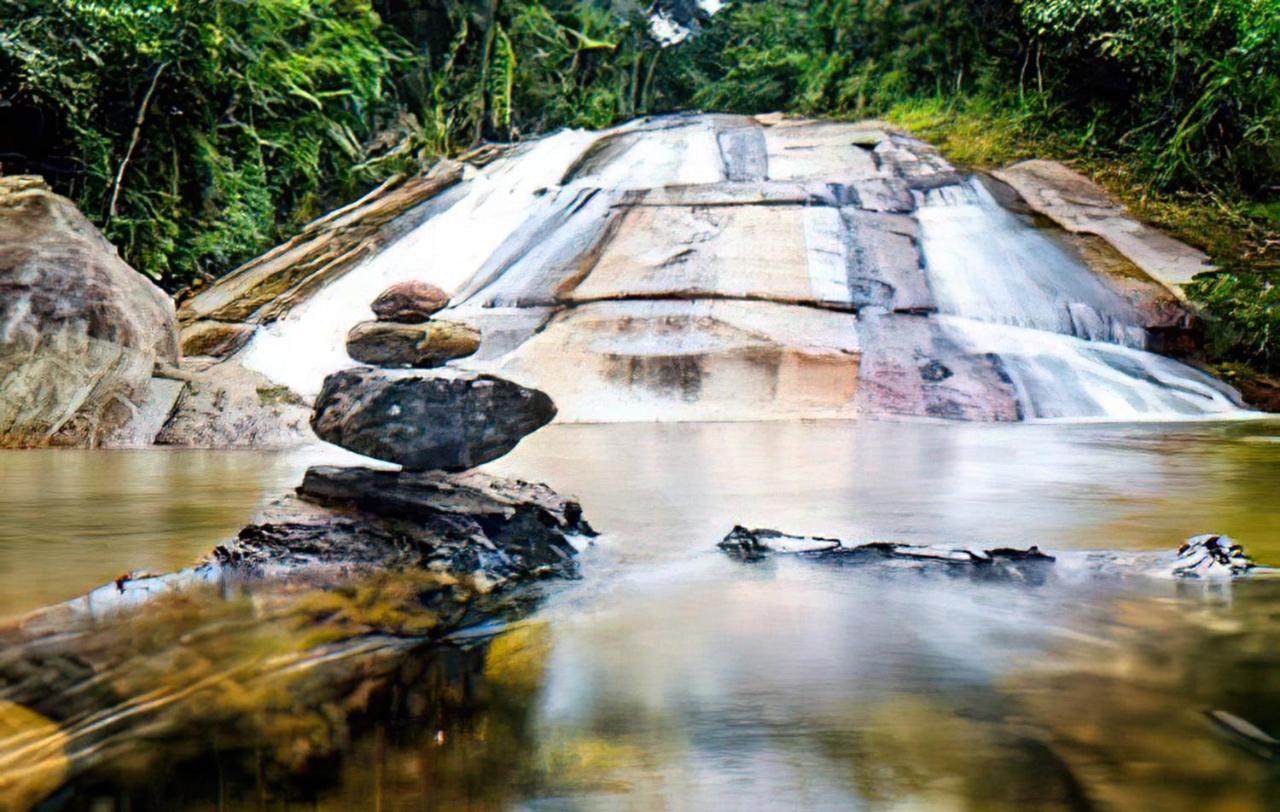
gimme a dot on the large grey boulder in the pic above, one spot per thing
(80, 331)
(445, 421)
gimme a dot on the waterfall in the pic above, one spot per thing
(448, 249)
(1073, 348)
(673, 269)
(1060, 377)
(984, 263)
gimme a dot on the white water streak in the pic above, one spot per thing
(447, 250)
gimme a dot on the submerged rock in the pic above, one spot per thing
(422, 346)
(445, 421)
(1000, 563)
(411, 302)
(331, 594)
(1211, 555)
(80, 331)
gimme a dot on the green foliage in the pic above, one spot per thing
(197, 133)
(1194, 85)
(201, 132)
(1246, 311)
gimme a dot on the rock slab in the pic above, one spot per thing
(1079, 205)
(80, 331)
(444, 421)
(418, 346)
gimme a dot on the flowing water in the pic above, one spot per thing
(674, 677)
(688, 210)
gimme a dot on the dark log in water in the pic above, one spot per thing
(1205, 556)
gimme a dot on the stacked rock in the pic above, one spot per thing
(445, 420)
(405, 335)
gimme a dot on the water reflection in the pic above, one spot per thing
(673, 676)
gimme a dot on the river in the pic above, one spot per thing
(672, 676)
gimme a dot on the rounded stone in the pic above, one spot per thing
(419, 346)
(411, 302)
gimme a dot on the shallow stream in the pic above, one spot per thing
(671, 676)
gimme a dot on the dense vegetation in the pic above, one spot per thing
(198, 132)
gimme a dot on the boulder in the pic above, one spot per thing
(80, 331)
(444, 421)
(395, 344)
(411, 302)
(225, 405)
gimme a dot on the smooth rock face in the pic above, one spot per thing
(409, 302)
(421, 346)
(661, 271)
(80, 331)
(1080, 205)
(448, 422)
(224, 405)
(215, 339)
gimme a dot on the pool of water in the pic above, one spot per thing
(671, 676)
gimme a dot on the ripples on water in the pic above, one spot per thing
(674, 677)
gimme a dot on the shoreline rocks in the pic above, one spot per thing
(1001, 563)
(80, 331)
(1208, 556)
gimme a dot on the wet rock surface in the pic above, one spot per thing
(1208, 556)
(443, 421)
(420, 346)
(80, 331)
(409, 302)
(1211, 556)
(488, 530)
(955, 300)
(1001, 563)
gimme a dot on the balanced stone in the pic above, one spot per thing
(395, 344)
(411, 302)
(447, 421)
